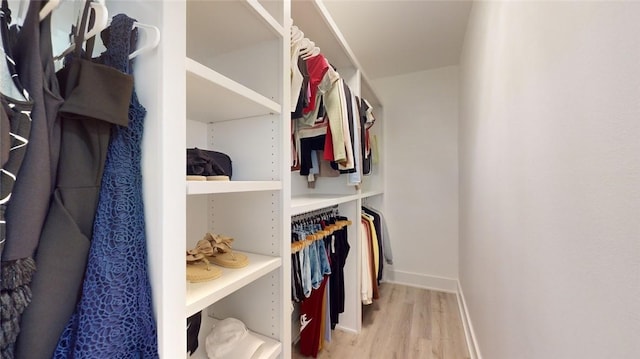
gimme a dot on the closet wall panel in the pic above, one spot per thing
(251, 218)
(255, 207)
(312, 18)
(247, 124)
(252, 66)
(251, 144)
(163, 163)
(550, 178)
(421, 195)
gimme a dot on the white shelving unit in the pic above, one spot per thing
(218, 80)
(313, 18)
(235, 82)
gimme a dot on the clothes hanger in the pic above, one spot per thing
(18, 18)
(296, 34)
(12, 88)
(306, 46)
(101, 18)
(150, 43)
(308, 49)
(314, 52)
(100, 23)
(48, 8)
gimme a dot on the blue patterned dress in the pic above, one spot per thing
(114, 317)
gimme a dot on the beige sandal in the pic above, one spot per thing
(223, 255)
(198, 267)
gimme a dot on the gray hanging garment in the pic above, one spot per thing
(33, 56)
(32, 191)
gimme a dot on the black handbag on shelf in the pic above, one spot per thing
(193, 329)
(208, 163)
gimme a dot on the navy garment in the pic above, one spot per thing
(307, 145)
(114, 317)
(339, 250)
(297, 293)
(364, 130)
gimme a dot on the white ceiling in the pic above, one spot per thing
(392, 37)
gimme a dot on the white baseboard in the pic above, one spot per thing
(469, 333)
(345, 329)
(419, 280)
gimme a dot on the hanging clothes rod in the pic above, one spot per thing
(327, 210)
(327, 230)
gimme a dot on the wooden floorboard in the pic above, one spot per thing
(405, 323)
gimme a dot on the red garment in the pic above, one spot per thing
(317, 66)
(311, 320)
(328, 145)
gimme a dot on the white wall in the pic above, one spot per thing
(550, 179)
(421, 175)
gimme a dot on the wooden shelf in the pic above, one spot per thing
(271, 348)
(202, 295)
(213, 97)
(211, 187)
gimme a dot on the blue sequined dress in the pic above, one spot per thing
(114, 317)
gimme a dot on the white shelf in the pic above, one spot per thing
(310, 202)
(220, 27)
(276, 10)
(266, 17)
(202, 295)
(213, 97)
(271, 348)
(211, 187)
(366, 194)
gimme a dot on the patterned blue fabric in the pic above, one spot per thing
(114, 317)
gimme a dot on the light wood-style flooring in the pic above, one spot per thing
(405, 323)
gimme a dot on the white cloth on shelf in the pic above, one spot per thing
(230, 339)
